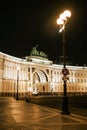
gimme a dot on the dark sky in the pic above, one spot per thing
(24, 24)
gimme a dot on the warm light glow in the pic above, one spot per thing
(60, 21)
(29, 89)
(61, 29)
(62, 16)
(67, 13)
(18, 67)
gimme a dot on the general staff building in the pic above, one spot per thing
(38, 75)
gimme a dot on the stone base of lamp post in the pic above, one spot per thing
(65, 109)
(17, 96)
(14, 95)
(28, 98)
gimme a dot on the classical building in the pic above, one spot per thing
(38, 75)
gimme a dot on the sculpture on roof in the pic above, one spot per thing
(35, 52)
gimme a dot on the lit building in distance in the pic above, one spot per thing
(37, 74)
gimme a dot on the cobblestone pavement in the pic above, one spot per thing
(19, 115)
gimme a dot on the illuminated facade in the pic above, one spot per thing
(38, 75)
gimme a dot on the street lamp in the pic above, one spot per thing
(28, 96)
(61, 21)
(14, 89)
(17, 95)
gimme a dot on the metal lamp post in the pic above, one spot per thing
(61, 21)
(14, 89)
(17, 95)
(28, 96)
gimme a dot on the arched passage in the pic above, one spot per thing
(40, 82)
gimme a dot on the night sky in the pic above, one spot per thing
(24, 24)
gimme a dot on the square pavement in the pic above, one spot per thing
(19, 115)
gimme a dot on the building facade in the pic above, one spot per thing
(38, 75)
